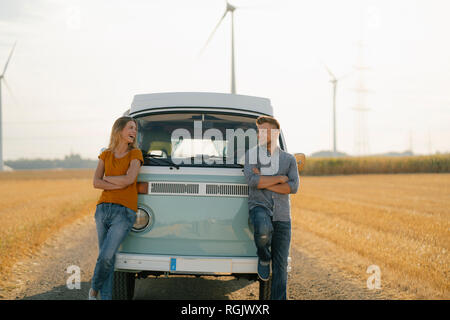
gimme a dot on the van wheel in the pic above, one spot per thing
(265, 289)
(123, 285)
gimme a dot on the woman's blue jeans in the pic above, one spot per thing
(114, 222)
(272, 240)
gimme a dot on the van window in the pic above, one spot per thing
(195, 138)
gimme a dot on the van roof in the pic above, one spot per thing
(142, 102)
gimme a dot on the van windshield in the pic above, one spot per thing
(196, 139)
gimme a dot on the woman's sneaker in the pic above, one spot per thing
(264, 270)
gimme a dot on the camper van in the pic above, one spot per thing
(192, 216)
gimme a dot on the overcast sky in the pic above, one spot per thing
(77, 65)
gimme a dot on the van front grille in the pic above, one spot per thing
(199, 189)
(174, 188)
(227, 189)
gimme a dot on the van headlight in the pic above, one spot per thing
(143, 220)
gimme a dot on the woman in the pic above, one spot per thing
(116, 173)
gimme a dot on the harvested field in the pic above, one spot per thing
(341, 226)
(401, 223)
(34, 205)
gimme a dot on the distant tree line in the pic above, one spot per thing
(322, 166)
(331, 154)
(71, 161)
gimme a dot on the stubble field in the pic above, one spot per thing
(34, 205)
(399, 223)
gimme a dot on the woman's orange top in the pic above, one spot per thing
(118, 167)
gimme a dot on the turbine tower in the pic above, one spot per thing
(334, 81)
(3, 80)
(229, 8)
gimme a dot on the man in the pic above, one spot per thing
(269, 203)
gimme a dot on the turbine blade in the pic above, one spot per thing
(8, 88)
(329, 72)
(257, 8)
(346, 75)
(213, 32)
(267, 5)
(9, 58)
(326, 67)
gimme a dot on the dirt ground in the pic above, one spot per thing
(44, 275)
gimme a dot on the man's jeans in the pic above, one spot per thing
(272, 239)
(114, 222)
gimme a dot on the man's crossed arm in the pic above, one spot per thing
(279, 184)
(276, 184)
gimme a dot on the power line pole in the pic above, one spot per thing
(361, 138)
(430, 149)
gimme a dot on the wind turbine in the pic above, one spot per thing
(334, 81)
(229, 8)
(3, 80)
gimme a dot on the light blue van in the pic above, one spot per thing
(192, 206)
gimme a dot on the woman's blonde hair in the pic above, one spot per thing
(117, 128)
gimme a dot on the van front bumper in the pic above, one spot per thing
(187, 264)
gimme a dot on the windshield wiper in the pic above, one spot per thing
(215, 164)
(158, 158)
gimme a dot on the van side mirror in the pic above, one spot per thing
(301, 159)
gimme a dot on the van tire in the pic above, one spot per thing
(123, 285)
(265, 289)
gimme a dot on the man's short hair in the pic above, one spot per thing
(266, 119)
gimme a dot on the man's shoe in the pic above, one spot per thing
(264, 270)
(91, 297)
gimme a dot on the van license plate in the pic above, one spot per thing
(173, 264)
